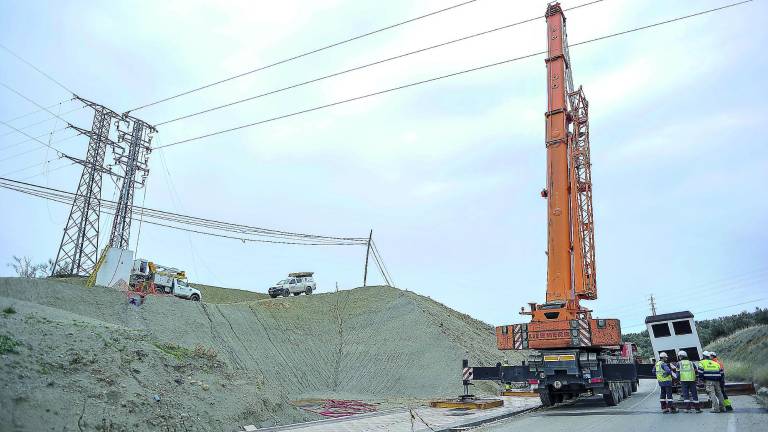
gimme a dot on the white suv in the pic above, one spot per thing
(293, 285)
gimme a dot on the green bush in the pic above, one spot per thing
(9, 310)
(8, 344)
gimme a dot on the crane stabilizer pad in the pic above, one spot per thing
(519, 393)
(467, 403)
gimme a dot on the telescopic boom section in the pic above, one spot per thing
(559, 273)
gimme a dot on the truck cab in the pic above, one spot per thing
(181, 288)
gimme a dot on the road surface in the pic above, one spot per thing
(639, 413)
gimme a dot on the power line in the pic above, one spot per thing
(35, 111)
(376, 252)
(442, 77)
(357, 68)
(711, 310)
(47, 119)
(261, 68)
(302, 238)
(19, 94)
(37, 69)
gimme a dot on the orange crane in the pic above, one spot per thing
(574, 353)
(570, 227)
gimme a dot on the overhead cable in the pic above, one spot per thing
(314, 51)
(278, 235)
(357, 68)
(50, 78)
(320, 107)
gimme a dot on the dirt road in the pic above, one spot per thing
(638, 413)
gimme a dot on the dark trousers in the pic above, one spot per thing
(690, 393)
(666, 395)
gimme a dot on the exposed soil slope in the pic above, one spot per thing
(86, 357)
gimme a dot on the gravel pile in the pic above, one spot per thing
(86, 358)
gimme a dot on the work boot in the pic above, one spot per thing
(696, 407)
(664, 408)
(687, 407)
(673, 408)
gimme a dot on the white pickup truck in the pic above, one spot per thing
(296, 284)
(166, 280)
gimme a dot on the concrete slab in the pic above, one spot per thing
(417, 419)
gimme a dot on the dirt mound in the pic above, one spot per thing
(86, 357)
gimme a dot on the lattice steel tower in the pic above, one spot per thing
(134, 160)
(79, 246)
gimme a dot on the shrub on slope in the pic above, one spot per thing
(744, 354)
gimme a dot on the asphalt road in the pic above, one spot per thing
(641, 412)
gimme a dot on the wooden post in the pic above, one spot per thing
(367, 253)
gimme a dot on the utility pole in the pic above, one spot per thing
(367, 254)
(79, 247)
(134, 159)
(652, 301)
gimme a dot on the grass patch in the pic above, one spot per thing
(181, 353)
(213, 294)
(178, 352)
(9, 310)
(8, 344)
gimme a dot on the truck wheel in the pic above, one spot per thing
(295, 294)
(273, 295)
(546, 397)
(610, 398)
(308, 291)
(286, 293)
(634, 386)
(195, 297)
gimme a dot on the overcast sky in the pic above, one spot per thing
(447, 174)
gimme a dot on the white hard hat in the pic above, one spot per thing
(663, 355)
(706, 354)
(682, 353)
(713, 354)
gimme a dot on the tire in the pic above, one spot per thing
(286, 293)
(273, 295)
(558, 398)
(610, 398)
(298, 293)
(308, 291)
(194, 297)
(623, 391)
(634, 386)
(546, 397)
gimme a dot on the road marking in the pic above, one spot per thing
(650, 393)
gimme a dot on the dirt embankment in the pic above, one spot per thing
(87, 359)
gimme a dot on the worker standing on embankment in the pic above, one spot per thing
(688, 382)
(665, 374)
(726, 402)
(712, 373)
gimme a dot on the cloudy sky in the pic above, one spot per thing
(447, 174)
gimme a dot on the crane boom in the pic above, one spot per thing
(562, 322)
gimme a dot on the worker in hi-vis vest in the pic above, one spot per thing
(726, 401)
(688, 382)
(712, 374)
(664, 375)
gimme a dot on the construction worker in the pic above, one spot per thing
(664, 375)
(507, 384)
(688, 382)
(726, 401)
(712, 373)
